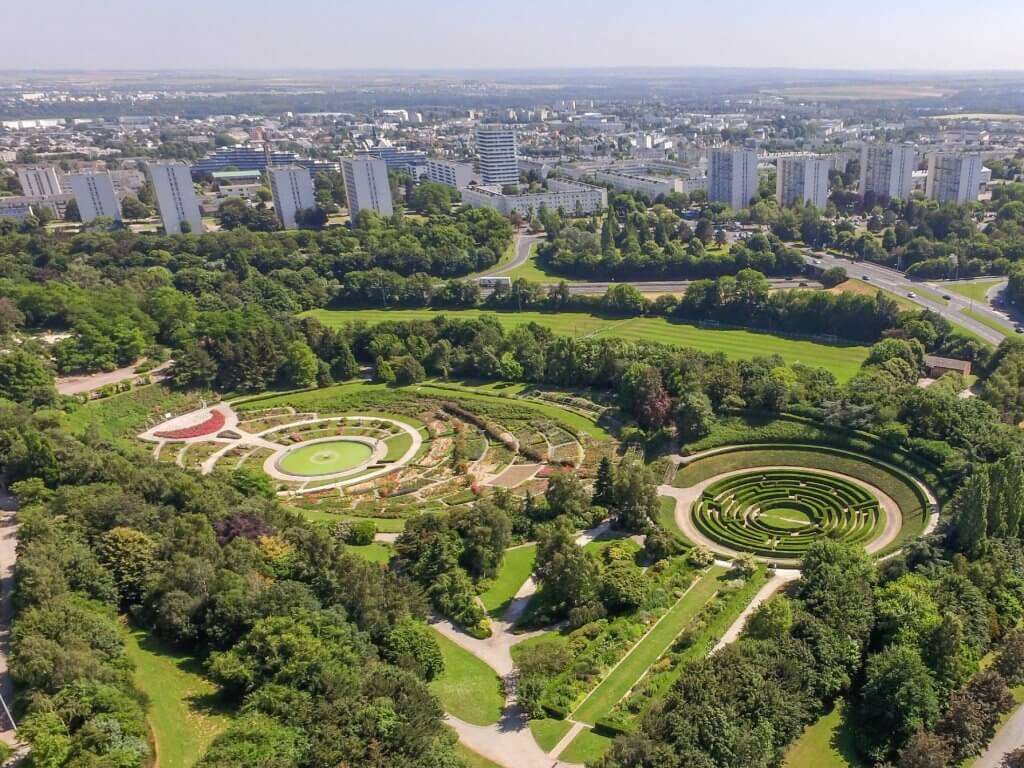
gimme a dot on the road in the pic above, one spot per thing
(900, 284)
(8, 554)
(1007, 738)
(75, 385)
(523, 245)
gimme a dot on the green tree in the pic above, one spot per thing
(634, 496)
(694, 416)
(25, 378)
(300, 365)
(898, 698)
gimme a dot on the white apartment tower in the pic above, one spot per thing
(732, 177)
(94, 194)
(802, 177)
(176, 197)
(366, 185)
(292, 187)
(953, 177)
(887, 171)
(496, 150)
(39, 182)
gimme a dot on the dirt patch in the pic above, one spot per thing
(514, 475)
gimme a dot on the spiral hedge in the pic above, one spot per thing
(780, 513)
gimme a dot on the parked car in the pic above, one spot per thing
(911, 295)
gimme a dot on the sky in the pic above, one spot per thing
(515, 34)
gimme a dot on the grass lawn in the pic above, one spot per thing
(376, 552)
(383, 524)
(861, 288)
(842, 360)
(533, 271)
(515, 568)
(472, 759)
(635, 663)
(826, 743)
(547, 731)
(184, 713)
(588, 747)
(397, 446)
(666, 518)
(977, 290)
(988, 321)
(126, 413)
(468, 688)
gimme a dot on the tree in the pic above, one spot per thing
(300, 365)
(408, 370)
(1010, 660)
(256, 739)
(129, 555)
(1014, 759)
(132, 208)
(566, 573)
(412, 645)
(926, 750)
(343, 363)
(972, 505)
(643, 394)
(898, 698)
(25, 378)
(193, 368)
(623, 587)
(566, 495)
(694, 416)
(772, 619)
(603, 483)
(833, 276)
(743, 566)
(634, 496)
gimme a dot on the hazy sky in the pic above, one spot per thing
(327, 34)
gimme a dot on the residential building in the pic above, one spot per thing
(453, 174)
(249, 158)
(292, 187)
(572, 197)
(732, 176)
(366, 185)
(95, 196)
(496, 150)
(953, 177)
(409, 161)
(802, 177)
(176, 197)
(20, 207)
(39, 181)
(887, 171)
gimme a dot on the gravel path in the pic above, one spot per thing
(8, 555)
(76, 385)
(773, 585)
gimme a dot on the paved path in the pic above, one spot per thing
(510, 743)
(76, 385)
(8, 555)
(523, 245)
(1007, 739)
(773, 585)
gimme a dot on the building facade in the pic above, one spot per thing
(496, 150)
(292, 188)
(732, 177)
(887, 171)
(453, 174)
(953, 177)
(572, 197)
(176, 197)
(366, 185)
(95, 196)
(40, 182)
(804, 178)
(410, 161)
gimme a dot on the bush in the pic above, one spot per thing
(358, 533)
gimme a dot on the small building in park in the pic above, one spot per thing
(939, 365)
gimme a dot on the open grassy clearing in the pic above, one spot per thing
(468, 688)
(843, 361)
(588, 747)
(184, 713)
(533, 271)
(646, 652)
(126, 413)
(376, 552)
(826, 743)
(972, 289)
(666, 518)
(472, 759)
(902, 491)
(515, 569)
(861, 288)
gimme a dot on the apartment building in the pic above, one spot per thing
(176, 197)
(292, 188)
(39, 181)
(732, 176)
(887, 171)
(953, 177)
(453, 174)
(95, 196)
(496, 150)
(366, 185)
(804, 178)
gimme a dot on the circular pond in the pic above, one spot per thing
(325, 458)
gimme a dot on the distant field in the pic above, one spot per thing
(843, 361)
(863, 92)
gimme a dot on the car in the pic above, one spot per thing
(865, 278)
(911, 295)
(1018, 329)
(803, 284)
(817, 261)
(946, 296)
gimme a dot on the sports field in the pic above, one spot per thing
(841, 360)
(324, 458)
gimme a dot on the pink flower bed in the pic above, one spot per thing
(212, 425)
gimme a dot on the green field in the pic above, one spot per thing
(535, 273)
(468, 688)
(635, 663)
(977, 290)
(397, 446)
(184, 713)
(588, 747)
(377, 552)
(547, 731)
(826, 743)
(843, 361)
(326, 458)
(515, 568)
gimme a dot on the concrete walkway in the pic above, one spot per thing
(1007, 739)
(76, 385)
(8, 556)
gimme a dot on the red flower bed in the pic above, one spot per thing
(213, 424)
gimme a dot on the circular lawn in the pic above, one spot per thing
(326, 458)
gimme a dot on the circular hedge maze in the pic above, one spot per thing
(780, 513)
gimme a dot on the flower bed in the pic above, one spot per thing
(213, 424)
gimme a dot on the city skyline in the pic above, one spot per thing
(791, 34)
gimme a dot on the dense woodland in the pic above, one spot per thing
(214, 564)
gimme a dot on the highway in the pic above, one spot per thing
(900, 284)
